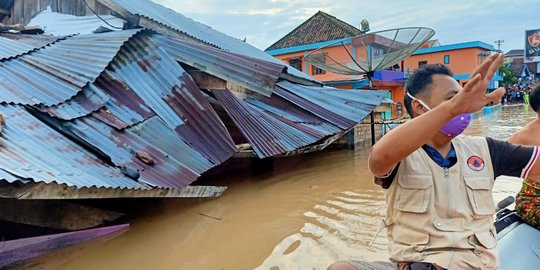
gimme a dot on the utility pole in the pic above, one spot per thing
(499, 42)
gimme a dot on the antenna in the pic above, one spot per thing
(370, 52)
(498, 42)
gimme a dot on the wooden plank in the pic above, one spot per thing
(13, 190)
(16, 251)
(207, 81)
(132, 19)
(56, 191)
(54, 214)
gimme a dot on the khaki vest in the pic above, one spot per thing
(444, 216)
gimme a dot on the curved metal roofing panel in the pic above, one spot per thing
(254, 74)
(294, 116)
(354, 105)
(11, 48)
(121, 147)
(32, 150)
(267, 135)
(171, 93)
(57, 73)
(89, 100)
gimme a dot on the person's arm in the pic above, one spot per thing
(531, 170)
(398, 143)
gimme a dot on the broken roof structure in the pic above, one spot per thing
(130, 113)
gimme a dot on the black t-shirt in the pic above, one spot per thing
(507, 159)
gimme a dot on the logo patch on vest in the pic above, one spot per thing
(476, 163)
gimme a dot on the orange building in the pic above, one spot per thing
(461, 58)
(322, 30)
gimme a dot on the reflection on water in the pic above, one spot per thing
(323, 209)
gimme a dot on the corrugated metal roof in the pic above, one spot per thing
(254, 74)
(11, 48)
(57, 73)
(294, 116)
(37, 41)
(181, 23)
(288, 121)
(267, 135)
(350, 105)
(124, 107)
(168, 90)
(32, 150)
(89, 100)
(322, 112)
(121, 147)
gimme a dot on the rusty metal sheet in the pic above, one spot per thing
(124, 108)
(37, 41)
(89, 100)
(53, 191)
(353, 105)
(174, 163)
(268, 136)
(34, 151)
(57, 73)
(171, 93)
(294, 116)
(251, 73)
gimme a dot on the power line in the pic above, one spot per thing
(88, 6)
(499, 42)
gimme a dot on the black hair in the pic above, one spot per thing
(420, 81)
(534, 98)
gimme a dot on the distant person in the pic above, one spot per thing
(440, 203)
(528, 198)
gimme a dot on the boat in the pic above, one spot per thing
(519, 243)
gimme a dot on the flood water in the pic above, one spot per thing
(309, 212)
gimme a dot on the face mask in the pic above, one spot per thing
(455, 126)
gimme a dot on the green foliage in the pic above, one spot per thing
(508, 75)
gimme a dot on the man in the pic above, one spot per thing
(528, 198)
(440, 206)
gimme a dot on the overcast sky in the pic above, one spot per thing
(263, 22)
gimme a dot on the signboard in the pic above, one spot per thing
(532, 46)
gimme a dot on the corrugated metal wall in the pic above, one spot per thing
(22, 11)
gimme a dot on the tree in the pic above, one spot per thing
(509, 78)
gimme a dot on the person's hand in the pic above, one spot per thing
(473, 97)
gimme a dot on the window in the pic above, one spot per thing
(447, 59)
(482, 57)
(316, 70)
(296, 63)
(422, 63)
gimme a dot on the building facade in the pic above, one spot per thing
(461, 58)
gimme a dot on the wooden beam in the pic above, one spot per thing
(56, 191)
(5, 11)
(207, 81)
(55, 214)
(132, 19)
(17, 251)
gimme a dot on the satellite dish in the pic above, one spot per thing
(367, 53)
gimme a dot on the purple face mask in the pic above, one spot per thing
(455, 126)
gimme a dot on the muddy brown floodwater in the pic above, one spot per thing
(309, 212)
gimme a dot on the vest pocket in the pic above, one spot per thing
(479, 193)
(414, 193)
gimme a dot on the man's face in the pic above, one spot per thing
(442, 88)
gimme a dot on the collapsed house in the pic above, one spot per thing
(124, 99)
(144, 109)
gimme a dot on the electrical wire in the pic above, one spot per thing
(88, 6)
